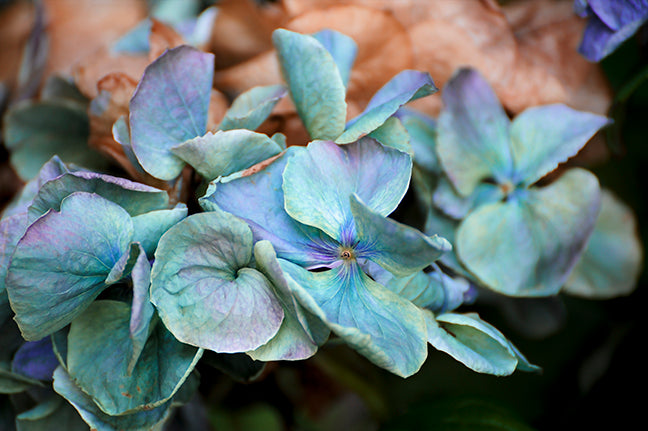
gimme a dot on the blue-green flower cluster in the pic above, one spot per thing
(119, 288)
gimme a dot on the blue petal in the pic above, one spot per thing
(408, 85)
(422, 132)
(169, 107)
(396, 247)
(319, 181)
(259, 200)
(35, 359)
(379, 324)
(473, 133)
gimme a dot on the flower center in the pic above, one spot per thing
(346, 253)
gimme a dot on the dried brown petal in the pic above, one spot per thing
(77, 28)
(162, 37)
(243, 30)
(16, 21)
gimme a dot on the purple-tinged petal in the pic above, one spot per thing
(205, 289)
(259, 200)
(35, 359)
(59, 266)
(169, 107)
(135, 198)
(301, 332)
(473, 133)
(617, 14)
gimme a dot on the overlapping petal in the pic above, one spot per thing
(70, 253)
(314, 81)
(319, 181)
(203, 267)
(169, 107)
(528, 245)
(387, 329)
(473, 133)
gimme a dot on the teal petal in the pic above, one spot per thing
(101, 369)
(14, 383)
(11, 230)
(342, 48)
(259, 200)
(398, 248)
(454, 205)
(205, 289)
(528, 245)
(224, 153)
(435, 290)
(422, 132)
(408, 85)
(121, 135)
(473, 342)
(613, 257)
(133, 197)
(52, 414)
(250, 109)
(150, 226)
(393, 134)
(542, 137)
(319, 181)
(473, 133)
(169, 107)
(300, 333)
(142, 310)
(388, 330)
(98, 420)
(35, 131)
(314, 81)
(67, 256)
